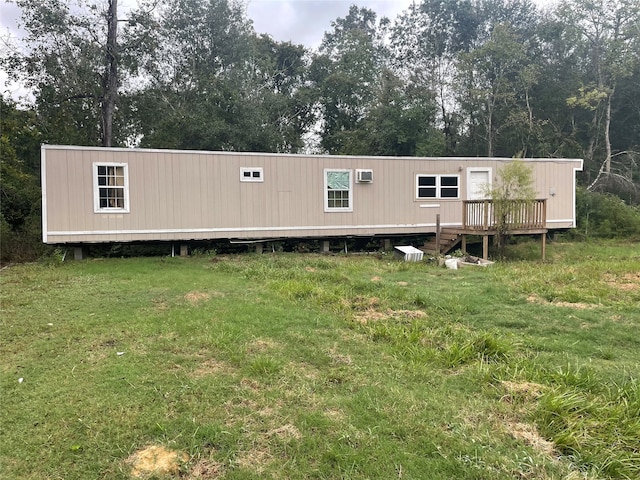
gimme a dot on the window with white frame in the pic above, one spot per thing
(251, 174)
(110, 187)
(437, 186)
(338, 186)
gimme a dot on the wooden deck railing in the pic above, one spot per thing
(517, 214)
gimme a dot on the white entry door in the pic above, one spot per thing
(478, 181)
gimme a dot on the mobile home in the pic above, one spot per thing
(95, 194)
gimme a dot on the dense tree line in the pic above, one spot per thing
(461, 77)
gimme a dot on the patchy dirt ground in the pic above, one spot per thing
(205, 469)
(257, 459)
(525, 389)
(210, 367)
(285, 432)
(529, 434)
(156, 460)
(371, 315)
(577, 305)
(626, 282)
(529, 392)
(196, 297)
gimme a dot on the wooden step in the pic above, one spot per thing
(447, 243)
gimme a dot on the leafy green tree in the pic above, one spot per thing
(20, 232)
(71, 68)
(496, 79)
(345, 72)
(513, 194)
(399, 123)
(215, 85)
(606, 34)
(425, 43)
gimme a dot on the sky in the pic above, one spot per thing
(305, 21)
(299, 21)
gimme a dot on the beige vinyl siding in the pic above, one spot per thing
(181, 195)
(558, 176)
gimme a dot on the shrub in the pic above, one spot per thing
(605, 216)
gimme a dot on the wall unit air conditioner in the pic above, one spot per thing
(364, 176)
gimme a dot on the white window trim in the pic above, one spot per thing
(437, 186)
(251, 178)
(326, 191)
(96, 188)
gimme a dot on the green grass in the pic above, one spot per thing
(308, 366)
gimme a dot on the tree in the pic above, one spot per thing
(495, 80)
(110, 76)
(213, 84)
(426, 41)
(345, 72)
(20, 232)
(513, 194)
(398, 123)
(71, 67)
(607, 35)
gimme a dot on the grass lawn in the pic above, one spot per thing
(307, 366)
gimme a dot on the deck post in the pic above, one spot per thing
(485, 247)
(485, 219)
(465, 208)
(438, 234)
(543, 242)
(463, 245)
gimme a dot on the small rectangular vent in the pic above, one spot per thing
(364, 176)
(251, 174)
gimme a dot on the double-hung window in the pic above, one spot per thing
(437, 186)
(338, 191)
(110, 187)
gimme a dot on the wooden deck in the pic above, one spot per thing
(485, 218)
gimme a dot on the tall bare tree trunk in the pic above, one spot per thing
(110, 79)
(607, 128)
(490, 130)
(605, 168)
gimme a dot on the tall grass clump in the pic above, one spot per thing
(599, 432)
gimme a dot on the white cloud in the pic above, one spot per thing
(10, 36)
(305, 21)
